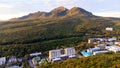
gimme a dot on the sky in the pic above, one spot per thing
(17, 8)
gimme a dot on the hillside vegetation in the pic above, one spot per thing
(60, 28)
(108, 60)
(39, 30)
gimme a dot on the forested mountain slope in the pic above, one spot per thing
(60, 27)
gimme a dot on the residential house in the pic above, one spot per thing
(117, 43)
(113, 48)
(36, 54)
(112, 39)
(109, 29)
(2, 60)
(12, 59)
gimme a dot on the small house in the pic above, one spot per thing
(2, 60)
(117, 43)
(112, 39)
(35, 54)
(12, 59)
(113, 48)
(109, 29)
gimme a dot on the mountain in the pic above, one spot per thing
(57, 12)
(59, 28)
(79, 11)
(60, 11)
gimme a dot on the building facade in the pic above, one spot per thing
(2, 60)
(69, 51)
(54, 54)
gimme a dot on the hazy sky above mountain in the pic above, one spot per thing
(15, 8)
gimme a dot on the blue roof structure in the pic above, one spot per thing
(86, 54)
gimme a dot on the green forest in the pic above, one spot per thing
(20, 38)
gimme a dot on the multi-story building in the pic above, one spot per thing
(54, 54)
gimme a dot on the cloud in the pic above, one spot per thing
(59, 2)
(6, 6)
(11, 15)
(44, 1)
(101, 0)
(36, 0)
(66, 2)
(108, 14)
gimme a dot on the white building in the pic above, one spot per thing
(2, 60)
(91, 50)
(70, 52)
(54, 54)
(35, 54)
(12, 59)
(99, 52)
(109, 43)
(56, 59)
(112, 39)
(117, 43)
(113, 48)
(109, 29)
